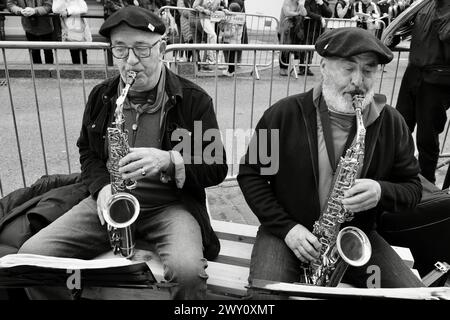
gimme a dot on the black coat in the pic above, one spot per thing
(187, 103)
(25, 211)
(290, 196)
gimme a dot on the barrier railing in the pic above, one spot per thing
(308, 34)
(55, 18)
(252, 29)
(41, 122)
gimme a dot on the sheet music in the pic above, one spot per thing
(13, 260)
(425, 293)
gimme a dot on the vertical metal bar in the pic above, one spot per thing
(289, 73)
(1, 189)
(253, 90)
(216, 80)
(82, 76)
(105, 55)
(445, 137)
(381, 78)
(262, 37)
(37, 111)
(395, 78)
(234, 117)
(58, 75)
(271, 79)
(13, 112)
(307, 53)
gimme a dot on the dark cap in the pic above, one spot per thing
(135, 17)
(347, 42)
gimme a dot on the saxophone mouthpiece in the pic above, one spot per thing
(131, 76)
(356, 92)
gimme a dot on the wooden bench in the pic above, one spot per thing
(228, 274)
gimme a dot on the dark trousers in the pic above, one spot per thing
(36, 54)
(273, 260)
(75, 54)
(424, 104)
(230, 57)
(284, 55)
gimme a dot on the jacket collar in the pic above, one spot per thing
(308, 110)
(172, 87)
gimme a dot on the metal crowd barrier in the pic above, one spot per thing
(256, 29)
(42, 117)
(311, 31)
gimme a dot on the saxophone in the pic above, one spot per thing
(349, 246)
(122, 208)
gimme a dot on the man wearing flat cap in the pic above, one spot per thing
(315, 129)
(170, 184)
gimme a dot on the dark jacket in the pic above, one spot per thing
(290, 196)
(313, 26)
(187, 103)
(430, 42)
(27, 210)
(35, 24)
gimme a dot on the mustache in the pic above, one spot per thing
(356, 91)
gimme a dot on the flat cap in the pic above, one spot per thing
(135, 17)
(347, 42)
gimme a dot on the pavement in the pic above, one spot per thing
(239, 103)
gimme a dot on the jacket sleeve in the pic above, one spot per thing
(94, 173)
(204, 161)
(198, 5)
(255, 184)
(77, 8)
(324, 11)
(46, 8)
(403, 190)
(13, 6)
(443, 19)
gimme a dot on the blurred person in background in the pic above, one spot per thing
(317, 11)
(37, 27)
(290, 30)
(424, 95)
(73, 26)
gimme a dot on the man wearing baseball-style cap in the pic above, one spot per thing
(315, 129)
(170, 184)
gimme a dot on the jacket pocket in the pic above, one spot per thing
(437, 74)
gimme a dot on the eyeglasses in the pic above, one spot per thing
(122, 52)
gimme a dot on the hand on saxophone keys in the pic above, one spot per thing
(303, 243)
(142, 162)
(364, 195)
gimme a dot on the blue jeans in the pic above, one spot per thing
(172, 229)
(273, 260)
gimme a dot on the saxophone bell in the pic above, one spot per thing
(353, 246)
(121, 212)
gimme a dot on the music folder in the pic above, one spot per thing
(26, 270)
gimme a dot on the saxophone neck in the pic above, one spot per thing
(131, 76)
(357, 101)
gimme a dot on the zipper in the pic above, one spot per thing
(164, 121)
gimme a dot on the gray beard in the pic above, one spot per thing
(340, 103)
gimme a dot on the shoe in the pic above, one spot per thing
(283, 72)
(309, 72)
(301, 71)
(227, 74)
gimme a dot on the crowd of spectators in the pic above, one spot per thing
(301, 22)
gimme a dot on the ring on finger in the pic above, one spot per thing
(143, 172)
